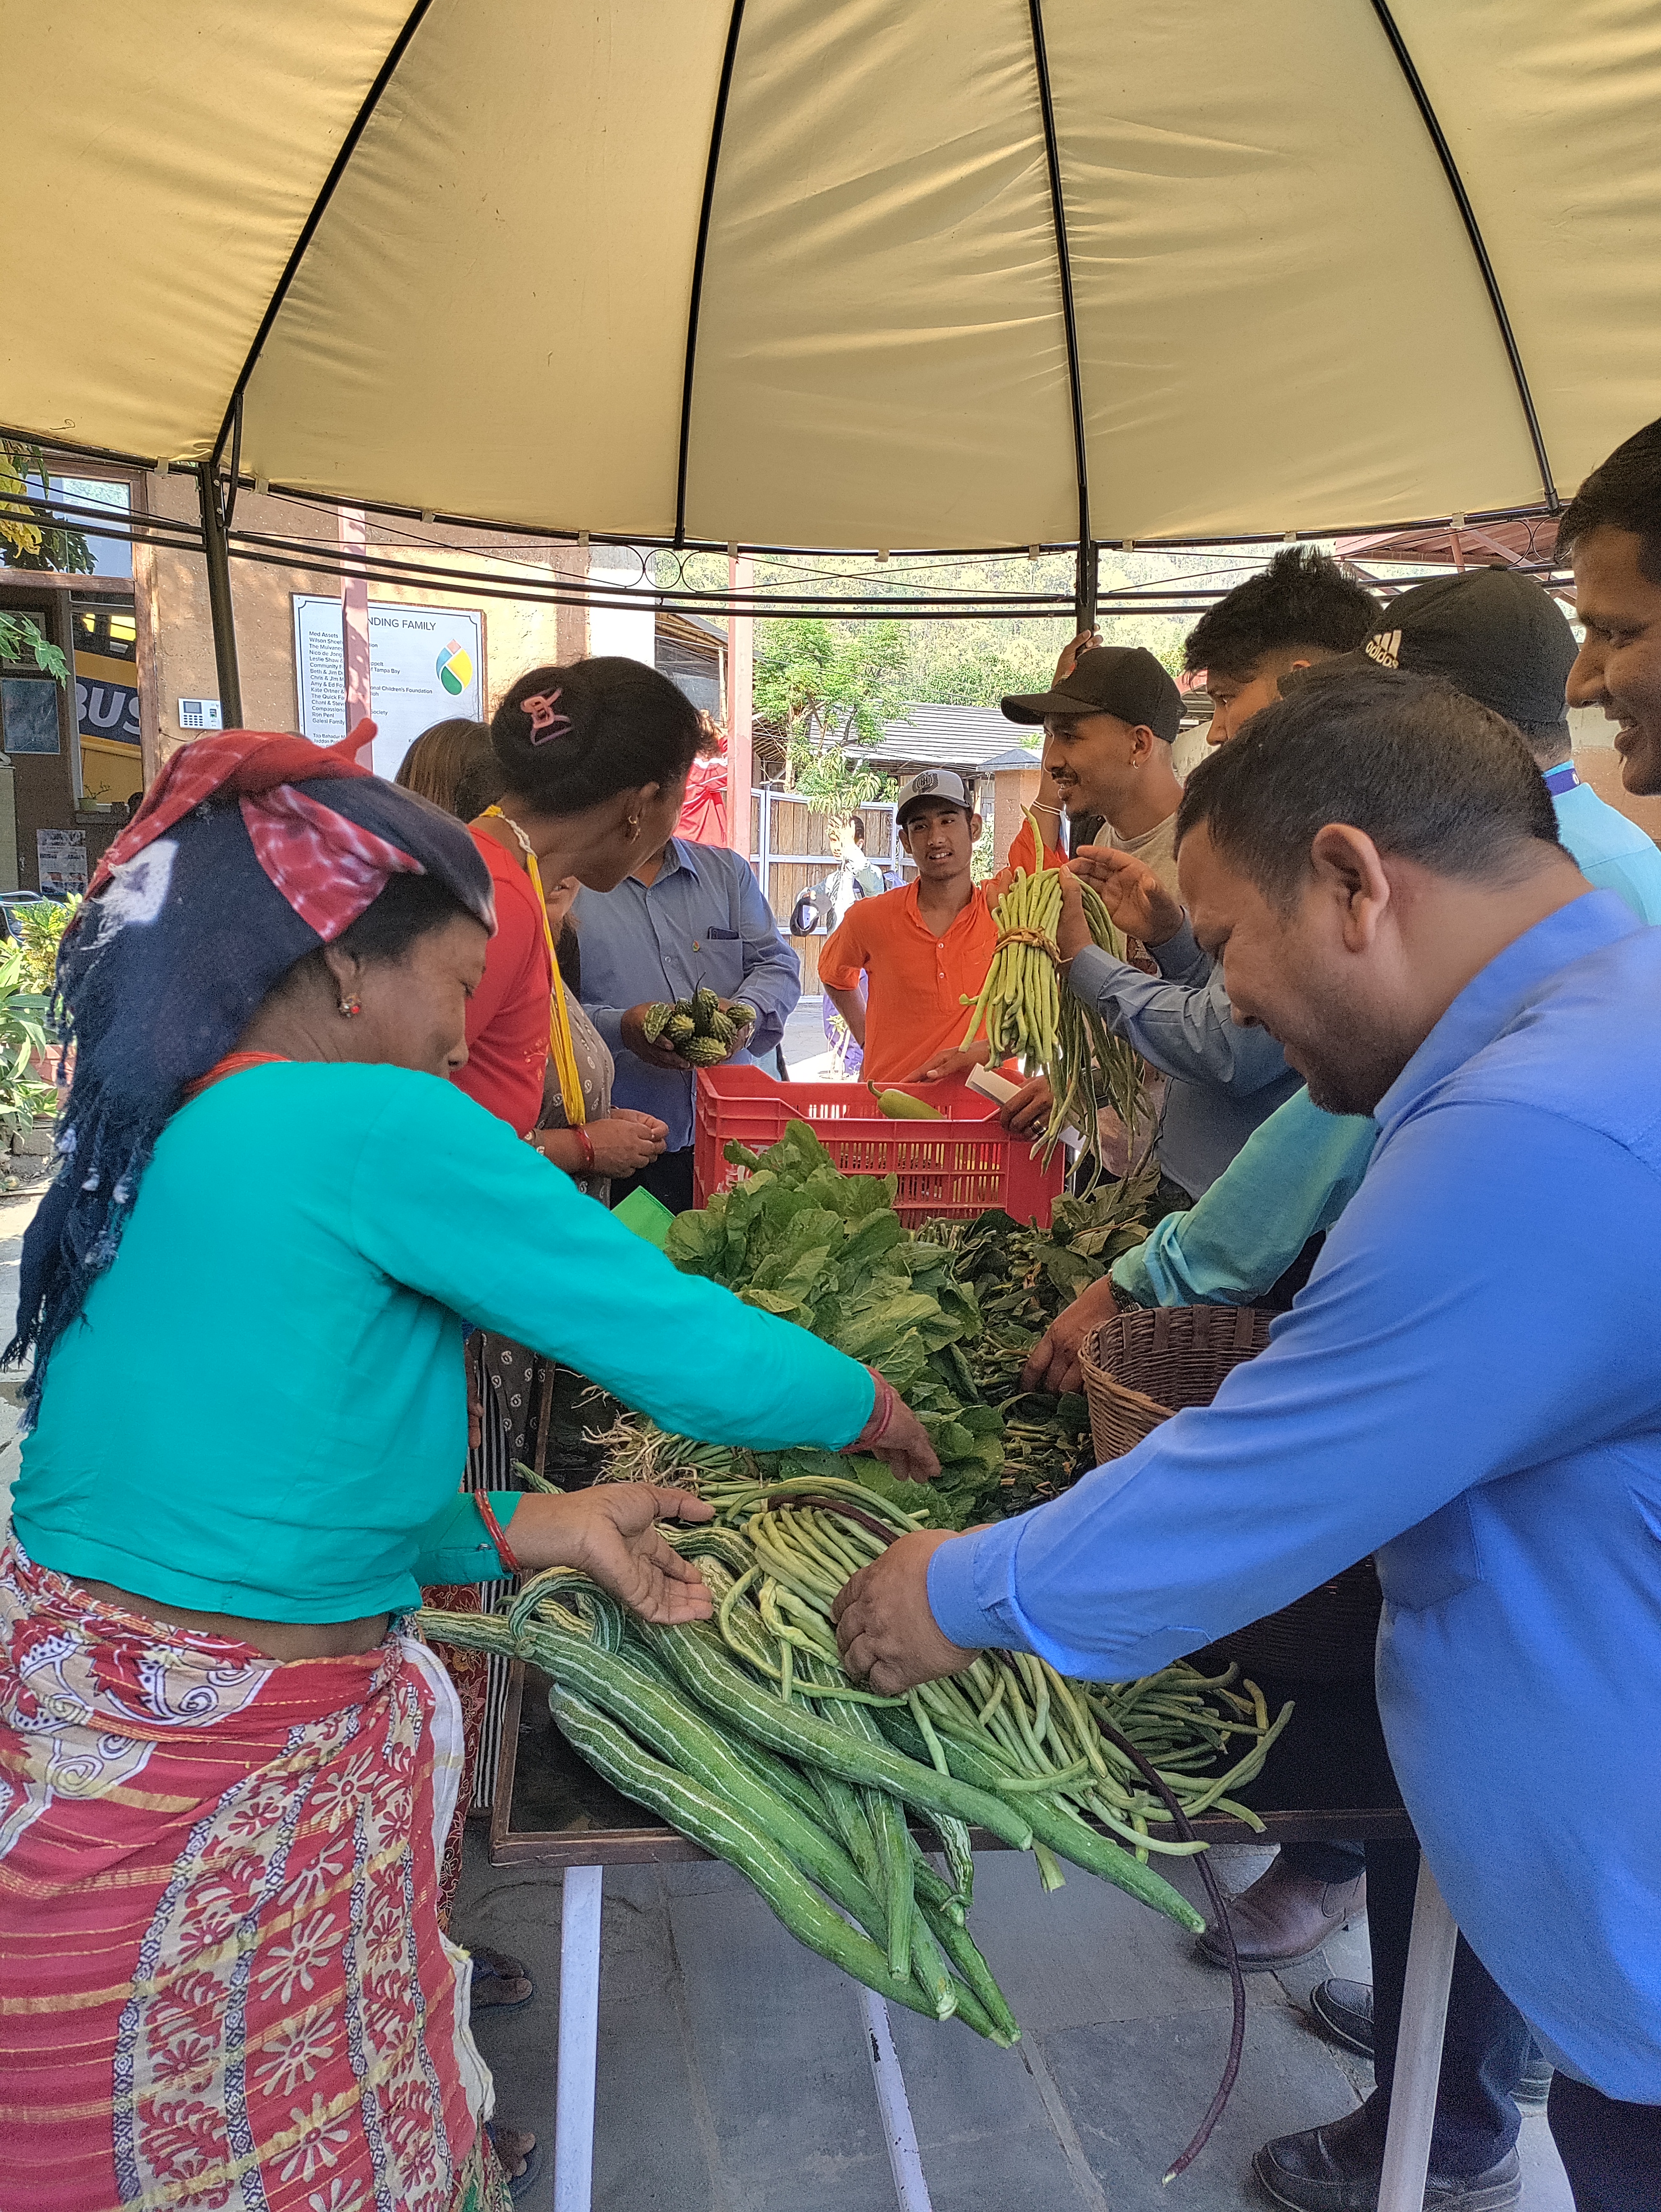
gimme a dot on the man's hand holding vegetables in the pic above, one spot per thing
(1053, 1362)
(885, 1632)
(1143, 908)
(1140, 901)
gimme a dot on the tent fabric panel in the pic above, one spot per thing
(492, 317)
(160, 163)
(1268, 167)
(1557, 137)
(881, 359)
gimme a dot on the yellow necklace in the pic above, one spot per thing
(560, 1046)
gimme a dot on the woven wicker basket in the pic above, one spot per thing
(1143, 1366)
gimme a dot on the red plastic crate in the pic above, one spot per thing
(955, 1168)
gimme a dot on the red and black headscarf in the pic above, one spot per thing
(249, 852)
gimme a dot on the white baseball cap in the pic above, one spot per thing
(940, 783)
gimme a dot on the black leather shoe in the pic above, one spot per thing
(1336, 2169)
(1283, 1916)
(1344, 2011)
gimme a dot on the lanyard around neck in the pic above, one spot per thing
(559, 1022)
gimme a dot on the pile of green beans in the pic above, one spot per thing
(1028, 1015)
(744, 1734)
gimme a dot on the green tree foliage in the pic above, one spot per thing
(27, 541)
(21, 638)
(823, 688)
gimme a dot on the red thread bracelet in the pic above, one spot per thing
(588, 1145)
(886, 1399)
(497, 1535)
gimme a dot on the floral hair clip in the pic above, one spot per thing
(546, 724)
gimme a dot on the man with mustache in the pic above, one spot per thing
(1377, 863)
(1612, 532)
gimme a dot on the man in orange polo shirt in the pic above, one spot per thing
(923, 946)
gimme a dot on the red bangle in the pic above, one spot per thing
(588, 1145)
(497, 1535)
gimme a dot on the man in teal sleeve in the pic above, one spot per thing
(1378, 865)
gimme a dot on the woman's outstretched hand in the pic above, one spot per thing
(609, 1534)
(894, 1434)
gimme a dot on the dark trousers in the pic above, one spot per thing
(669, 1179)
(1610, 2151)
(1486, 2043)
(1484, 2047)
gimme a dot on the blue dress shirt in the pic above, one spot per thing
(1298, 1169)
(702, 919)
(1609, 851)
(1469, 1387)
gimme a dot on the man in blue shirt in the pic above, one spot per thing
(1377, 863)
(688, 915)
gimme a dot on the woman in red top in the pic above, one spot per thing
(596, 758)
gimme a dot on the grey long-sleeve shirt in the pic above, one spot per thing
(1224, 1080)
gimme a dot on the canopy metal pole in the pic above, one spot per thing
(579, 2039)
(219, 597)
(899, 2130)
(1418, 2048)
(1083, 589)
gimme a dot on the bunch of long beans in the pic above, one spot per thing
(746, 1734)
(1027, 1014)
(1051, 1741)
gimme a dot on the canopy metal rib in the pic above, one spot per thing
(342, 161)
(1052, 153)
(717, 126)
(1473, 231)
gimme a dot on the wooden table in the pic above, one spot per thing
(551, 1809)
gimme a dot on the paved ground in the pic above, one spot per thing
(805, 1053)
(733, 2076)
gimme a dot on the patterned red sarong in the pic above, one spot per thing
(223, 1981)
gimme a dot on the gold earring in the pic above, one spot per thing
(351, 1005)
(634, 827)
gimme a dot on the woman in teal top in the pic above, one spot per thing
(225, 1772)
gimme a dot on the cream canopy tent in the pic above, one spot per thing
(844, 273)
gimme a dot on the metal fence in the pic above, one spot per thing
(790, 851)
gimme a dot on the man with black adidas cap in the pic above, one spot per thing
(1107, 725)
(1501, 638)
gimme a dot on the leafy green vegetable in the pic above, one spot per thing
(798, 1238)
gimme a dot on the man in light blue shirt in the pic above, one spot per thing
(1462, 1387)
(690, 915)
